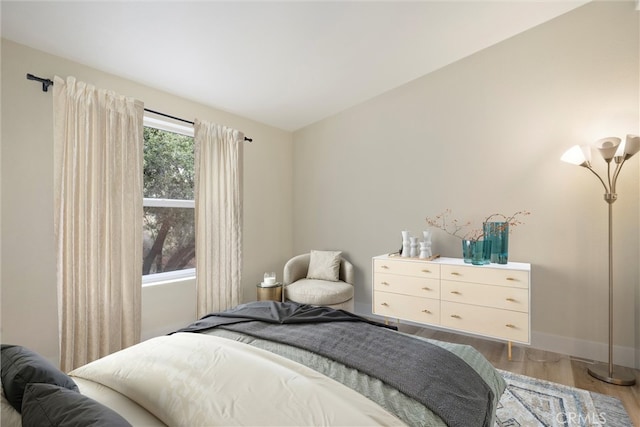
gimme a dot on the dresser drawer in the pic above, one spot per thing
(407, 268)
(407, 285)
(486, 275)
(492, 322)
(510, 298)
(422, 310)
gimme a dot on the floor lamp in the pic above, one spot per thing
(618, 151)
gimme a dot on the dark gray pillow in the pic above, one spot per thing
(50, 405)
(21, 366)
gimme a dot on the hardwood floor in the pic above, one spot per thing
(543, 365)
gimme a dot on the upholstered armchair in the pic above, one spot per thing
(320, 278)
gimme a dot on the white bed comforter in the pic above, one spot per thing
(193, 380)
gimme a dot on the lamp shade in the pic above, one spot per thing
(631, 145)
(608, 147)
(627, 148)
(579, 155)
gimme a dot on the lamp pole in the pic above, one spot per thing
(608, 372)
(610, 149)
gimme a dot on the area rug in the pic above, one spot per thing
(531, 402)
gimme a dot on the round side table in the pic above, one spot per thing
(266, 293)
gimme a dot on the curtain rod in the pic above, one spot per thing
(181, 120)
(48, 82)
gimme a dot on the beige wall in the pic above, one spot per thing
(485, 135)
(29, 310)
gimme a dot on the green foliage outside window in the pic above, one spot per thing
(169, 233)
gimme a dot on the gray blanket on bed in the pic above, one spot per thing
(438, 379)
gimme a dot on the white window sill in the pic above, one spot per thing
(169, 277)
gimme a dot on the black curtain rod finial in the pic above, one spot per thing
(45, 82)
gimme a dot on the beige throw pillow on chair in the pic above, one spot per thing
(324, 265)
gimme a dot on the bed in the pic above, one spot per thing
(271, 363)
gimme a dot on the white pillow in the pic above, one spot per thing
(324, 265)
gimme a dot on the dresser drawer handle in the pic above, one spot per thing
(511, 300)
(455, 273)
(426, 289)
(512, 279)
(426, 311)
(509, 325)
(384, 304)
(384, 267)
(456, 293)
(384, 283)
(455, 316)
(426, 271)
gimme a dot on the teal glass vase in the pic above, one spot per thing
(498, 234)
(476, 252)
(466, 251)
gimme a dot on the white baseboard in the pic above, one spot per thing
(589, 350)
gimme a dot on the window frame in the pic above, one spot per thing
(187, 273)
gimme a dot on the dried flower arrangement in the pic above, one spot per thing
(452, 226)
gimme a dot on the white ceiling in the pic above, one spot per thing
(286, 64)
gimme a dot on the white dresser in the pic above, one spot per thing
(490, 300)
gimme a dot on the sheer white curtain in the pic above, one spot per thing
(218, 197)
(98, 220)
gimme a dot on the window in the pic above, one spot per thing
(168, 222)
